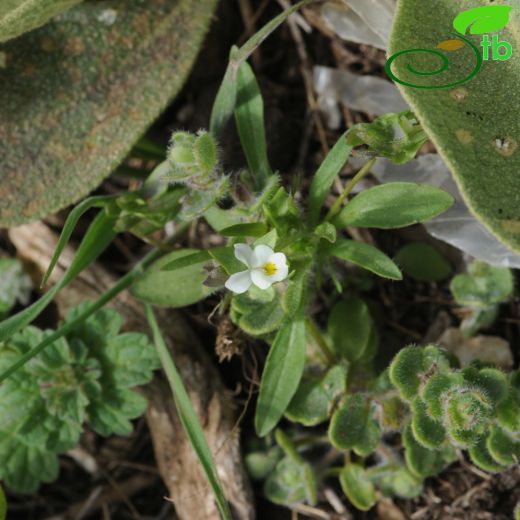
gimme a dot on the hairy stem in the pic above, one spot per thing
(334, 210)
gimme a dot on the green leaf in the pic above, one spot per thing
(358, 488)
(315, 397)
(17, 17)
(70, 224)
(324, 177)
(83, 109)
(424, 462)
(326, 231)
(187, 260)
(348, 424)
(477, 135)
(394, 205)
(429, 432)
(258, 318)
(15, 285)
(396, 136)
(349, 327)
(423, 262)
(188, 417)
(249, 116)
(254, 229)
(366, 256)
(481, 20)
(281, 377)
(269, 239)
(97, 238)
(177, 288)
(483, 285)
(291, 482)
(3, 505)
(225, 256)
(226, 98)
(480, 456)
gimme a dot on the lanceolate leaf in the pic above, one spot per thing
(281, 377)
(394, 205)
(78, 92)
(17, 17)
(366, 256)
(249, 115)
(473, 124)
(324, 177)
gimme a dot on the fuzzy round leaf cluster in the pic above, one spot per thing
(475, 408)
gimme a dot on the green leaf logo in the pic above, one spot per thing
(481, 20)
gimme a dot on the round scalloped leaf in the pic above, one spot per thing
(315, 396)
(423, 262)
(370, 439)
(424, 462)
(508, 413)
(492, 382)
(357, 487)
(405, 371)
(502, 447)
(470, 114)
(427, 431)
(79, 91)
(435, 391)
(290, 483)
(480, 456)
(349, 327)
(348, 424)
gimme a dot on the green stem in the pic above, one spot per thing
(118, 287)
(348, 189)
(318, 338)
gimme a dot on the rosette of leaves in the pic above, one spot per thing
(84, 378)
(476, 408)
(480, 291)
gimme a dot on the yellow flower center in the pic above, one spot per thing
(270, 269)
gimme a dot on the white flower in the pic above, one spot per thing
(264, 267)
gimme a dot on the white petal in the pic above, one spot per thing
(282, 269)
(261, 255)
(239, 282)
(260, 279)
(244, 253)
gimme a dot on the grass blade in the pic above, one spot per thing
(188, 417)
(96, 240)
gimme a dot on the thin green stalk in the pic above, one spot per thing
(334, 210)
(118, 287)
(188, 417)
(318, 338)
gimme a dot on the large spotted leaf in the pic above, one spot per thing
(79, 91)
(475, 124)
(19, 16)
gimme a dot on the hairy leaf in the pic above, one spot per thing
(78, 92)
(17, 17)
(281, 377)
(470, 114)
